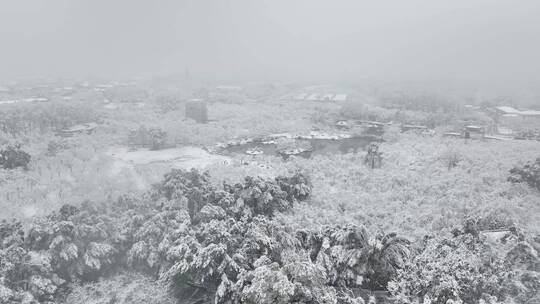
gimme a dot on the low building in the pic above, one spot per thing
(405, 128)
(313, 97)
(452, 134)
(527, 114)
(228, 88)
(340, 97)
(504, 110)
(301, 96)
(512, 120)
(473, 131)
(324, 96)
(25, 100)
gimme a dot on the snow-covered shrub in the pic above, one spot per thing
(529, 173)
(469, 268)
(13, 157)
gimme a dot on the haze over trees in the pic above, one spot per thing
(242, 152)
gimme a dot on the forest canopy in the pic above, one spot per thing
(223, 244)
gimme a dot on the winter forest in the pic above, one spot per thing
(246, 152)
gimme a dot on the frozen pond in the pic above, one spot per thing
(318, 146)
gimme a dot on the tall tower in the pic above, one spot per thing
(197, 110)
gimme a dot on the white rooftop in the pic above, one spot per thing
(531, 112)
(32, 99)
(511, 110)
(228, 88)
(314, 96)
(340, 97)
(301, 96)
(9, 101)
(508, 110)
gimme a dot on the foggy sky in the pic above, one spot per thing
(487, 40)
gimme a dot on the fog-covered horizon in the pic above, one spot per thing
(479, 41)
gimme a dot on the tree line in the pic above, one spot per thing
(227, 245)
(21, 119)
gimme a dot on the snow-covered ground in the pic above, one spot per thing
(185, 157)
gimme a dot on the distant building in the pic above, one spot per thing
(472, 107)
(320, 97)
(197, 110)
(405, 128)
(301, 96)
(340, 97)
(510, 120)
(24, 100)
(505, 110)
(473, 131)
(228, 88)
(313, 97)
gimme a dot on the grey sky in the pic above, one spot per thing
(493, 40)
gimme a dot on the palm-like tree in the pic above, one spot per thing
(386, 255)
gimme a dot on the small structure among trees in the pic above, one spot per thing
(420, 128)
(473, 131)
(197, 110)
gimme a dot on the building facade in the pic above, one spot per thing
(197, 110)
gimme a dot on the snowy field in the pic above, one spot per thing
(184, 158)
